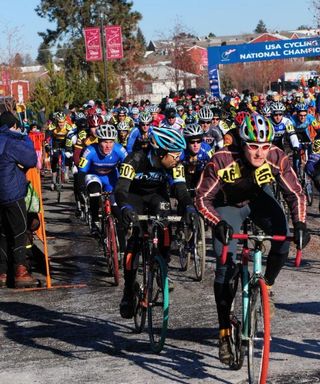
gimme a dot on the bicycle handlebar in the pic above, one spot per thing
(159, 217)
(246, 236)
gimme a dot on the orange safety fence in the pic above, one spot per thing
(33, 175)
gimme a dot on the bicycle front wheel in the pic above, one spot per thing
(158, 303)
(59, 184)
(309, 191)
(112, 252)
(200, 250)
(259, 333)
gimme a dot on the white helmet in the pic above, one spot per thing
(205, 114)
(106, 132)
(123, 126)
(192, 130)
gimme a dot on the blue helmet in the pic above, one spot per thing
(301, 107)
(167, 139)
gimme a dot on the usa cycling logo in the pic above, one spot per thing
(226, 55)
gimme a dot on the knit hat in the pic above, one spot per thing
(9, 119)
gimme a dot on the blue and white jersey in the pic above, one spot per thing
(285, 127)
(136, 141)
(302, 129)
(312, 165)
(105, 167)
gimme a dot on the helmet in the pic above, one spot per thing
(205, 114)
(145, 117)
(123, 126)
(167, 139)
(60, 116)
(153, 108)
(301, 107)
(277, 107)
(240, 116)
(216, 111)
(80, 115)
(266, 110)
(255, 98)
(94, 121)
(256, 128)
(106, 132)
(122, 111)
(180, 107)
(170, 112)
(171, 104)
(134, 111)
(190, 119)
(192, 130)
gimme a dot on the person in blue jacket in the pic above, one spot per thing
(17, 155)
(98, 170)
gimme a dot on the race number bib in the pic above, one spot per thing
(83, 162)
(178, 173)
(263, 175)
(127, 171)
(230, 174)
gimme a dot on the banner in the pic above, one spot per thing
(269, 50)
(114, 49)
(92, 39)
(214, 81)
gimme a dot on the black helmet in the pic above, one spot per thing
(170, 112)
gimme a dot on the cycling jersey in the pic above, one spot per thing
(178, 125)
(137, 140)
(213, 137)
(194, 164)
(58, 135)
(282, 129)
(93, 162)
(303, 129)
(140, 175)
(229, 180)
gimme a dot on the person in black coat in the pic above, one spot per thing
(17, 155)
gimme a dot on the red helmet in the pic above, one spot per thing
(94, 121)
(240, 116)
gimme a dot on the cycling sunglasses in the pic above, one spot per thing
(256, 146)
(198, 141)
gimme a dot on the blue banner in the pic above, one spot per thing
(269, 50)
(214, 81)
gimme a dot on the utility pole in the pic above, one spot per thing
(104, 54)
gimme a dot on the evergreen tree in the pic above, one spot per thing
(44, 55)
(261, 27)
(71, 19)
(141, 39)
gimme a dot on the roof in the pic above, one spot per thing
(163, 72)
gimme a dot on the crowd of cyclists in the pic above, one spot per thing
(217, 157)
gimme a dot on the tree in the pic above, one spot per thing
(44, 55)
(211, 35)
(27, 59)
(18, 60)
(302, 27)
(141, 39)
(261, 27)
(72, 16)
(51, 91)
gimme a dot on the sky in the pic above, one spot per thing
(160, 17)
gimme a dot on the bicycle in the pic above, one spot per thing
(60, 171)
(250, 316)
(304, 179)
(277, 192)
(192, 246)
(151, 294)
(109, 238)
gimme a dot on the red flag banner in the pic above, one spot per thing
(114, 49)
(92, 39)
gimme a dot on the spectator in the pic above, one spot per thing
(17, 155)
(42, 119)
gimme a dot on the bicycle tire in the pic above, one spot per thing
(184, 252)
(200, 250)
(140, 306)
(158, 303)
(59, 183)
(238, 345)
(112, 253)
(259, 333)
(308, 188)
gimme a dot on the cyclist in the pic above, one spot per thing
(123, 133)
(144, 177)
(282, 127)
(196, 155)
(171, 120)
(156, 116)
(139, 136)
(312, 167)
(57, 137)
(211, 136)
(235, 184)
(98, 169)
